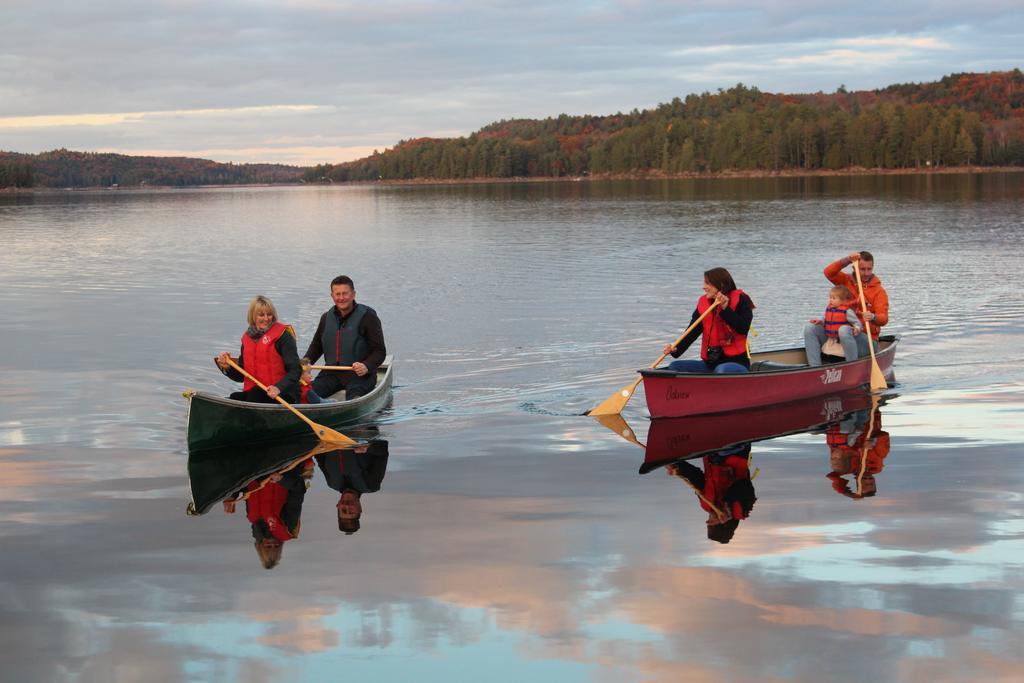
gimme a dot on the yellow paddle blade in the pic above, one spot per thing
(619, 426)
(331, 436)
(614, 404)
(878, 382)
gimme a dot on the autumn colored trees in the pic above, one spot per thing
(964, 119)
(64, 168)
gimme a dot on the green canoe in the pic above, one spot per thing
(216, 474)
(215, 422)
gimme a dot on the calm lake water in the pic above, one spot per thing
(511, 538)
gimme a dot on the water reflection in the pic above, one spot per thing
(724, 488)
(724, 480)
(857, 449)
(271, 481)
(671, 439)
(352, 472)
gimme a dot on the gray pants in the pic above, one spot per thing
(854, 346)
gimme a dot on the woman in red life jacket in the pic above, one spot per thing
(838, 329)
(273, 507)
(723, 488)
(268, 353)
(723, 331)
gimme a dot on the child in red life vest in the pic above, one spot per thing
(306, 383)
(836, 333)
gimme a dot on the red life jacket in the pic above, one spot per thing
(266, 504)
(835, 317)
(261, 358)
(719, 477)
(305, 389)
(717, 333)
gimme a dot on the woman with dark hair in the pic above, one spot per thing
(723, 488)
(723, 331)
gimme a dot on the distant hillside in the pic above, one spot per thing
(63, 168)
(963, 119)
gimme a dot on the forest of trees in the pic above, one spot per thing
(964, 119)
(961, 120)
(64, 168)
(14, 173)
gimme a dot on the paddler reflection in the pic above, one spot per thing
(724, 488)
(723, 483)
(273, 506)
(352, 472)
(857, 447)
(270, 480)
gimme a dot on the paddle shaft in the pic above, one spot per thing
(329, 367)
(319, 430)
(867, 443)
(685, 332)
(617, 401)
(700, 494)
(280, 400)
(876, 372)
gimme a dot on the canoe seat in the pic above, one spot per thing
(769, 365)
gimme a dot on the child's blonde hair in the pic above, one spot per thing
(843, 292)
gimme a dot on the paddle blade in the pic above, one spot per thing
(878, 382)
(329, 435)
(619, 426)
(614, 404)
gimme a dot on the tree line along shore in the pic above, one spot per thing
(961, 122)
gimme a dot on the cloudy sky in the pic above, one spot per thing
(311, 81)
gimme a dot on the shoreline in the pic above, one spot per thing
(855, 171)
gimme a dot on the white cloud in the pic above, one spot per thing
(293, 155)
(183, 75)
(924, 43)
(63, 120)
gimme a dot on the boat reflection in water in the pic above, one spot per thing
(271, 481)
(724, 481)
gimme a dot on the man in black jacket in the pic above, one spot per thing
(349, 334)
(353, 472)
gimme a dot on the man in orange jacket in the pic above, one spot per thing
(875, 297)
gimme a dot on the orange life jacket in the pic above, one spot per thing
(835, 317)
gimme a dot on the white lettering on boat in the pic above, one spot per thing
(678, 441)
(832, 408)
(672, 394)
(831, 376)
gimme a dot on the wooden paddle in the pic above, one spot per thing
(878, 382)
(328, 367)
(614, 404)
(867, 443)
(718, 513)
(323, 433)
(618, 425)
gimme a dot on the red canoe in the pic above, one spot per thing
(673, 438)
(774, 377)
